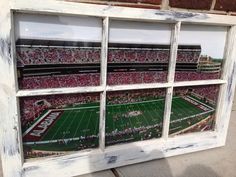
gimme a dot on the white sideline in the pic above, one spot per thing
(200, 103)
(53, 141)
(113, 105)
(29, 129)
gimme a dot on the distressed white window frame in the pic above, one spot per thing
(102, 158)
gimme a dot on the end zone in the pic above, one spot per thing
(36, 131)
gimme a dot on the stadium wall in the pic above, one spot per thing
(223, 7)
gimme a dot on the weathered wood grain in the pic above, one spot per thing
(118, 155)
(70, 8)
(10, 141)
(104, 54)
(171, 77)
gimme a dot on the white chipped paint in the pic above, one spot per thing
(118, 155)
(9, 142)
(62, 7)
(170, 78)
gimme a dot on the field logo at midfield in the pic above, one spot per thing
(42, 126)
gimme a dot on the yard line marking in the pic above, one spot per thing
(138, 117)
(96, 125)
(144, 117)
(61, 125)
(32, 126)
(155, 110)
(129, 117)
(121, 119)
(143, 105)
(71, 123)
(192, 126)
(186, 110)
(112, 119)
(79, 124)
(93, 123)
(89, 107)
(88, 123)
(195, 115)
(200, 102)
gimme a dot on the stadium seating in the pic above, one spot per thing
(122, 97)
(184, 56)
(30, 110)
(37, 55)
(50, 55)
(34, 56)
(91, 79)
(209, 92)
(194, 75)
(114, 78)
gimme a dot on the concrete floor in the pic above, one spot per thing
(219, 162)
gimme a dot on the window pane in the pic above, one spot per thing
(58, 124)
(138, 52)
(200, 52)
(134, 115)
(57, 51)
(193, 109)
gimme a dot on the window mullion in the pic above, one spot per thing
(170, 77)
(104, 51)
(225, 99)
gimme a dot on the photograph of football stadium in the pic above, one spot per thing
(59, 124)
(53, 67)
(205, 58)
(65, 52)
(134, 115)
(54, 124)
(193, 109)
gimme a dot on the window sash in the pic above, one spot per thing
(11, 151)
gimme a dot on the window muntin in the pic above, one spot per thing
(129, 45)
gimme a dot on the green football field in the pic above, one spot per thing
(72, 129)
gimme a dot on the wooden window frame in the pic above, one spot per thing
(102, 158)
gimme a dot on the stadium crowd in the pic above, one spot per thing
(187, 56)
(50, 55)
(33, 107)
(121, 97)
(113, 78)
(194, 75)
(127, 135)
(138, 56)
(44, 55)
(209, 92)
(58, 81)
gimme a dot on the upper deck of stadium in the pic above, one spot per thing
(34, 52)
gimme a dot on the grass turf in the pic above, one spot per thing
(83, 120)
